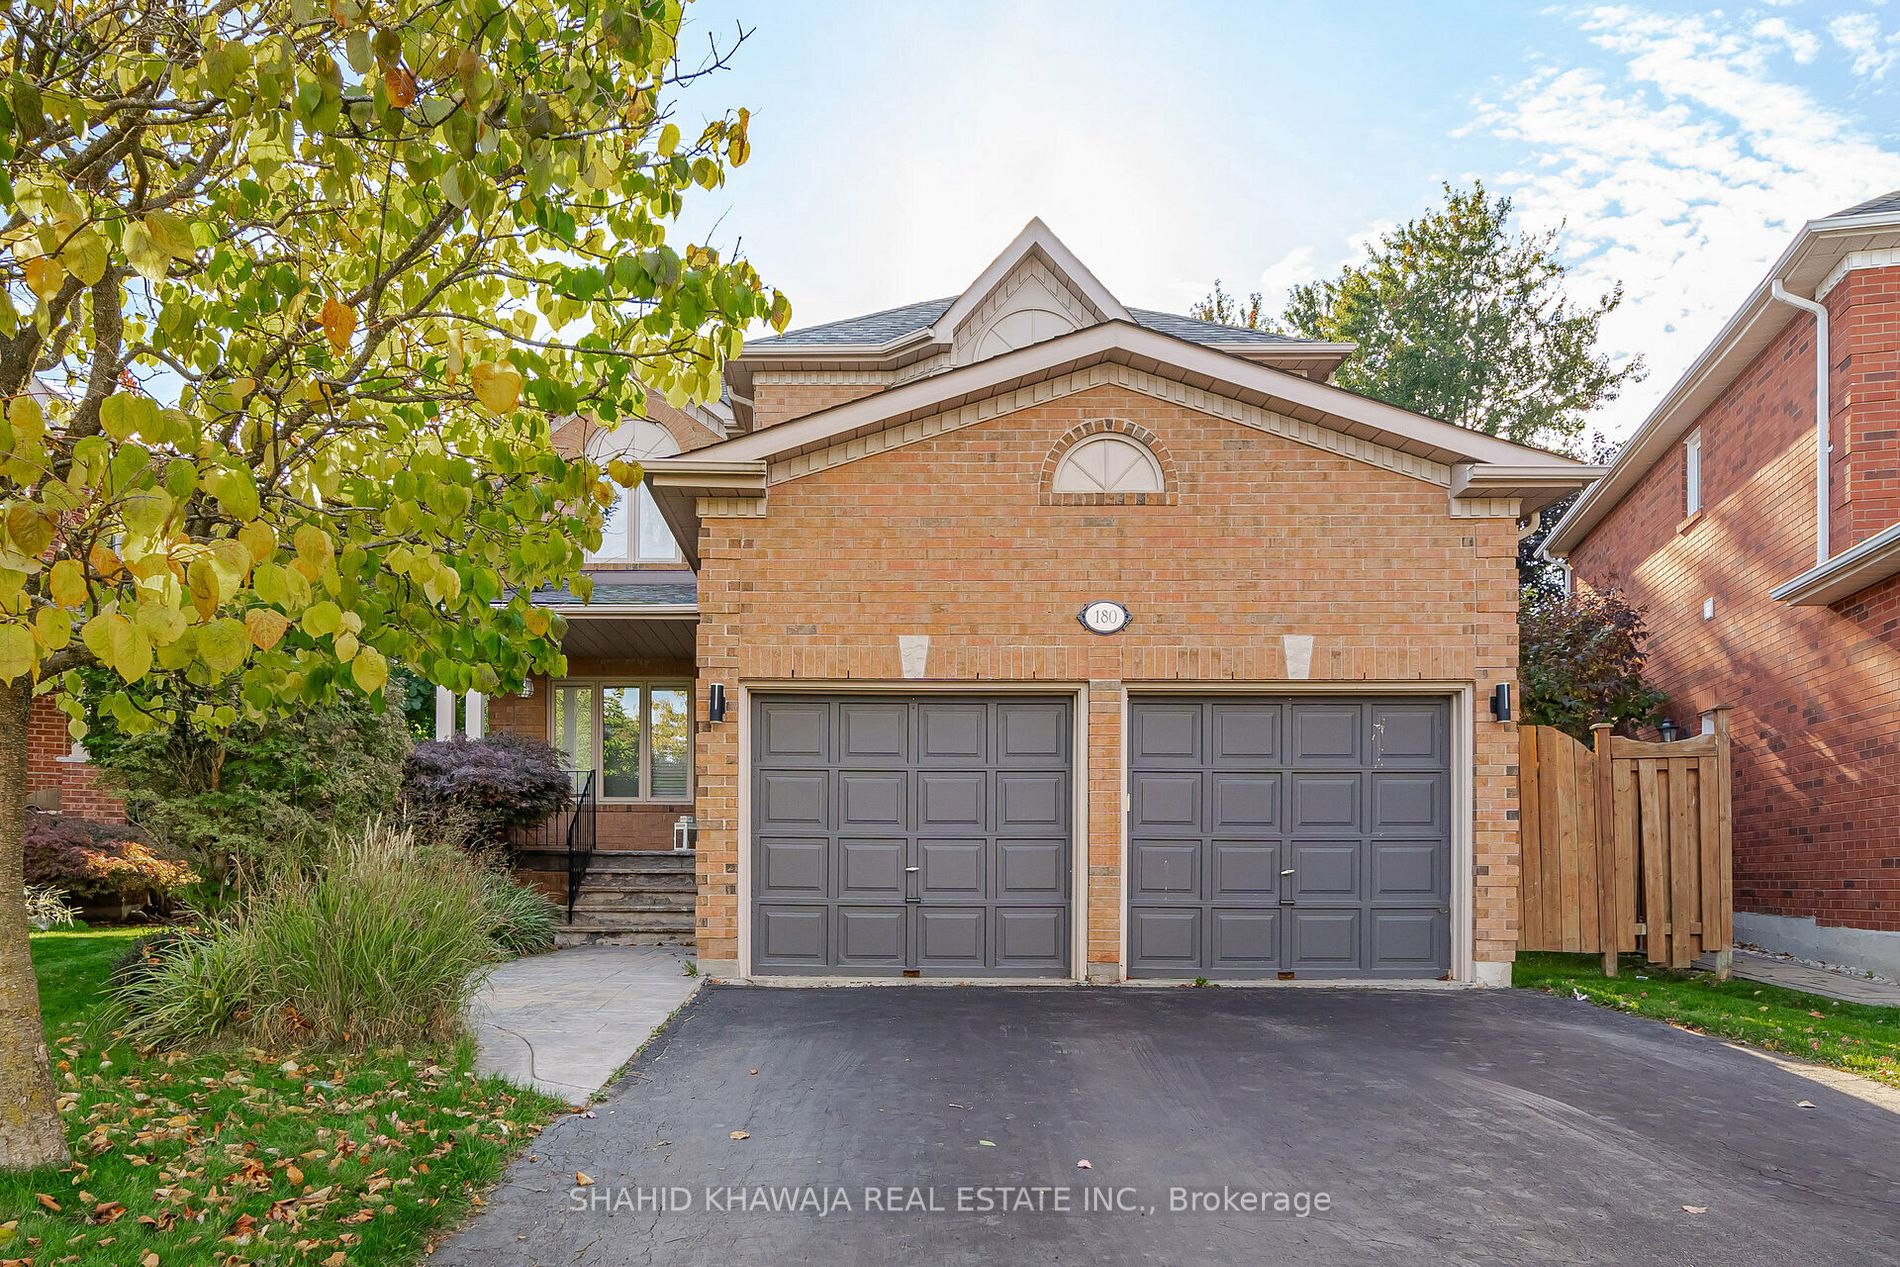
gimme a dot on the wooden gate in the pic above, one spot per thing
(1624, 840)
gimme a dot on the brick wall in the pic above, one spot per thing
(1816, 691)
(782, 396)
(950, 538)
(53, 780)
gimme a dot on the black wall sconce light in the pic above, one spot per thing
(1501, 701)
(715, 702)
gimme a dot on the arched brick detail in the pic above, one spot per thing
(1170, 485)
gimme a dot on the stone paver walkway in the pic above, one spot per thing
(565, 1022)
(1799, 976)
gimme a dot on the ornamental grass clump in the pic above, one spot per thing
(380, 943)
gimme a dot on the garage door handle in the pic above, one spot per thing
(913, 868)
(1291, 871)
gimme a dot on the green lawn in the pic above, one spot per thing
(245, 1155)
(1850, 1036)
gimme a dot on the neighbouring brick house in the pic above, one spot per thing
(907, 752)
(1782, 605)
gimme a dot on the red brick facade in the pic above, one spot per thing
(1816, 690)
(953, 538)
(54, 780)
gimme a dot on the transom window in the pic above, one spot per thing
(1692, 473)
(1108, 464)
(637, 736)
(633, 531)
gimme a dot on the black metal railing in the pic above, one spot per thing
(580, 835)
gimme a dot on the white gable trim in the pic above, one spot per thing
(916, 430)
(1035, 237)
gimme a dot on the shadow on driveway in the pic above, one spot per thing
(1488, 1126)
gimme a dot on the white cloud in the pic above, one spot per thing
(1859, 36)
(1804, 45)
(1681, 168)
(1281, 276)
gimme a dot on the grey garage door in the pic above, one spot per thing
(1300, 835)
(911, 834)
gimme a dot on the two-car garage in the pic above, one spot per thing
(935, 835)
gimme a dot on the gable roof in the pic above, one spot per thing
(1809, 267)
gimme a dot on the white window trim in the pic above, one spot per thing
(1110, 439)
(1692, 472)
(646, 686)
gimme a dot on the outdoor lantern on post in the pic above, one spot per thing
(1669, 730)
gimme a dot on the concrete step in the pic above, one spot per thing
(633, 921)
(638, 882)
(613, 901)
(607, 937)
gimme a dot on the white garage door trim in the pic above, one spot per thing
(1463, 791)
(1075, 692)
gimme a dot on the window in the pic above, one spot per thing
(637, 736)
(633, 531)
(1692, 473)
(1108, 464)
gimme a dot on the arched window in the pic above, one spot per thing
(634, 531)
(1108, 464)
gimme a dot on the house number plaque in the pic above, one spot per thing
(1103, 617)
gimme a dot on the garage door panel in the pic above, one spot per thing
(871, 937)
(873, 800)
(793, 799)
(952, 734)
(1410, 736)
(1245, 801)
(952, 800)
(1410, 803)
(1166, 735)
(1037, 869)
(1164, 940)
(1247, 734)
(873, 734)
(1408, 941)
(1244, 941)
(1296, 834)
(950, 937)
(1327, 802)
(912, 833)
(1032, 734)
(793, 868)
(1408, 870)
(868, 869)
(1166, 803)
(1032, 802)
(1029, 937)
(792, 936)
(952, 870)
(1165, 870)
(1244, 869)
(1325, 941)
(794, 732)
(1326, 735)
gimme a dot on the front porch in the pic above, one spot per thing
(621, 861)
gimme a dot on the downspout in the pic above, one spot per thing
(1821, 533)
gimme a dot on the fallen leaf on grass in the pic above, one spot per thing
(47, 1201)
(740, 1135)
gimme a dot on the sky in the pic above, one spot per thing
(898, 146)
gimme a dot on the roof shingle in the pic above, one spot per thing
(1886, 202)
(878, 328)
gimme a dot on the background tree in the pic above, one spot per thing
(292, 291)
(1534, 571)
(1580, 661)
(1460, 319)
(1230, 310)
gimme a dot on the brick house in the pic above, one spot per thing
(1021, 634)
(1782, 604)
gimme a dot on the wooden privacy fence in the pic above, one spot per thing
(1624, 840)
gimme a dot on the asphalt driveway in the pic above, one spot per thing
(941, 1124)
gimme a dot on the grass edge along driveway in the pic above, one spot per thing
(237, 1155)
(1853, 1037)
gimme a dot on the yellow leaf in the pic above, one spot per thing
(400, 84)
(44, 276)
(223, 644)
(537, 620)
(201, 582)
(259, 538)
(339, 323)
(30, 528)
(267, 626)
(146, 255)
(84, 255)
(18, 654)
(67, 583)
(496, 386)
(52, 627)
(370, 670)
(345, 646)
(625, 474)
(172, 233)
(162, 623)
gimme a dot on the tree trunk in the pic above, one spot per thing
(31, 1133)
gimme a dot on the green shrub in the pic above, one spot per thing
(1581, 661)
(381, 942)
(261, 796)
(521, 920)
